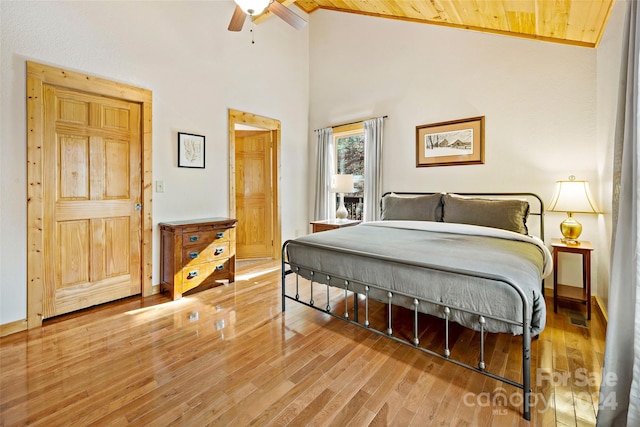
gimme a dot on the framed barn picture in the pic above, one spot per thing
(457, 142)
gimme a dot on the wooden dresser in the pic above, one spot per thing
(196, 252)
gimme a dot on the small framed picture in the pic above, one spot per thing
(190, 150)
(458, 142)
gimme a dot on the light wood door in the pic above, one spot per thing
(92, 189)
(254, 200)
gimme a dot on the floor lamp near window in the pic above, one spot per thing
(342, 184)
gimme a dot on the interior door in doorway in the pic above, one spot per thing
(254, 195)
(92, 195)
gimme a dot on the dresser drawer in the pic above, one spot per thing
(200, 274)
(205, 253)
(204, 237)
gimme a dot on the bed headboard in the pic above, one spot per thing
(535, 218)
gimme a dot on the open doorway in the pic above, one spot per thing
(254, 172)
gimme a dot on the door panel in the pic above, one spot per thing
(73, 253)
(93, 146)
(73, 176)
(116, 169)
(116, 254)
(254, 204)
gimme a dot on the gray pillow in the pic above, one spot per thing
(505, 214)
(419, 208)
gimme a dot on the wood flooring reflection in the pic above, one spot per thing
(228, 356)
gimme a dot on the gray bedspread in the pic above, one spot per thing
(402, 249)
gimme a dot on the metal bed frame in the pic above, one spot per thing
(367, 289)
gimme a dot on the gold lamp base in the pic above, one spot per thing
(571, 230)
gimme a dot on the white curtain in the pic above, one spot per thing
(325, 207)
(619, 402)
(372, 168)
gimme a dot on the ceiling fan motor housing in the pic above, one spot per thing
(256, 7)
(253, 7)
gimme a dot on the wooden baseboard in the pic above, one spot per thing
(13, 327)
(600, 308)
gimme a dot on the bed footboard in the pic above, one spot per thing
(320, 281)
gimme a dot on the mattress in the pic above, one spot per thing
(460, 266)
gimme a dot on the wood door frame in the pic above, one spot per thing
(39, 75)
(240, 117)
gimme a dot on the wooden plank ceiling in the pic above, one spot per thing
(578, 22)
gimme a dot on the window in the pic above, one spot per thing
(349, 143)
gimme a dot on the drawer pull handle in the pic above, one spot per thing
(193, 238)
(219, 251)
(219, 234)
(192, 274)
(193, 255)
(219, 267)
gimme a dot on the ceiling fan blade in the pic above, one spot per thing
(237, 20)
(287, 15)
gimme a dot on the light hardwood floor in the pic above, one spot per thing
(228, 356)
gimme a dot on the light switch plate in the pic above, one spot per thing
(159, 186)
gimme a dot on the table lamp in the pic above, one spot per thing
(572, 196)
(342, 184)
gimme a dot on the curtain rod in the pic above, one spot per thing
(350, 123)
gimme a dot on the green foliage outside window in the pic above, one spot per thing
(350, 158)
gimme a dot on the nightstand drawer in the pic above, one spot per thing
(323, 227)
(332, 224)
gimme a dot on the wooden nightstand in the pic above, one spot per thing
(572, 293)
(332, 224)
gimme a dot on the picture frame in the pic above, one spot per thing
(456, 142)
(191, 150)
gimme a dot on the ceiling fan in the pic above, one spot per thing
(256, 7)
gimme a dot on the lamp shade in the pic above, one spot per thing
(252, 7)
(342, 184)
(573, 196)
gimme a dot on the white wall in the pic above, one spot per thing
(609, 56)
(539, 100)
(196, 69)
